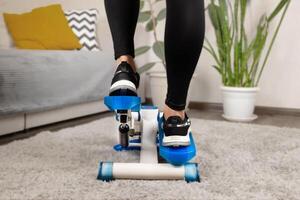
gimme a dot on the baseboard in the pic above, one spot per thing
(260, 110)
(278, 111)
(205, 106)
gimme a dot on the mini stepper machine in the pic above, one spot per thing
(140, 129)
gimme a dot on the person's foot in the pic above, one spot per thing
(125, 81)
(176, 131)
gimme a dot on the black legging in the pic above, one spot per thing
(184, 34)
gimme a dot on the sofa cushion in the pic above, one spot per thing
(42, 28)
(84, 25)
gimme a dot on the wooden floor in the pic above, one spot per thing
(263, 119)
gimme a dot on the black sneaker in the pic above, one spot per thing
(176, 131)
(125, 81)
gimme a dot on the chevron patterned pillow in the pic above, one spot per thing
(83, 24)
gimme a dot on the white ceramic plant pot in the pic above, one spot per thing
(239, 103)
(158, 89)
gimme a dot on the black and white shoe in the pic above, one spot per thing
(176, 131)
(125, 81)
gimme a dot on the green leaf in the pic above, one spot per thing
(142, 4)
(159, 50)
(144, 16)
(272, 42)
(212, 51)
(279, 7)
(223, 36)
(258, 44)
(162, 14)
(213, 15)
(243, 11)
(217, 68)
(141, 50)
(149, 26)
(145, 67)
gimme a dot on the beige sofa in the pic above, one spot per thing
(22, 121)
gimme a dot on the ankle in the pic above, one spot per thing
(170, 112)
(129, 59)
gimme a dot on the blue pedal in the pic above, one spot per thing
(132, 103)
(176, 155)
(119, 147)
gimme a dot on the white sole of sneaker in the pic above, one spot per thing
(176, 140)
(123, 84)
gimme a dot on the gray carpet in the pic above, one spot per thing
(238, 161)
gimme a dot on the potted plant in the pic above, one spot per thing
(239, 60)
(157, 79)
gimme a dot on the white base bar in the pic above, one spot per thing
(147, 171)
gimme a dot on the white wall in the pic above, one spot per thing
(280, 83)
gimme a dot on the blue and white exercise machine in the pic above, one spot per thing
(140, 128)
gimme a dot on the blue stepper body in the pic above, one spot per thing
(132, 103)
